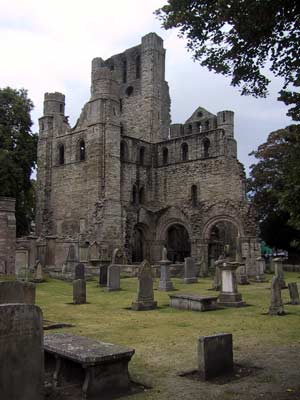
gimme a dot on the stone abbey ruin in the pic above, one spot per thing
(125, 177)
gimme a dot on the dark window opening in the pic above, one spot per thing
(194, 195)
(190, 128)
(142, 196)
(82, 150)
(121, 105)
(129, 90)
(61, 155)
(207, 125)
(199, 114)
(224, 117)
(42, 126)
(124, 71)
(206, 146)
(134, 195)
(138, 67)
(184, 151)
(61, 108)
(112, 67)
(124, 151)
(165, 156)
(199, 126)
(121, 129)
(142, 156)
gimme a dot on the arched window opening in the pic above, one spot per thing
(142, 196)
(129, 90)
(165, 156)
(190, 128)
(61, 154)
(207, 125)
(138, 67)
(121, 129)
(206, 146)
(194, 195)
(142, 156)
(199, 127)
(124, 71)
(61, 108)
(184, 152)
(42, 126)
(81, 150)
(124, 151)
(134, 195)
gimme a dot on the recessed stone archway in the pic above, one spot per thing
(139, 243)
(178, 243)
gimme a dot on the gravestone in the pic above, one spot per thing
(229, 296)
(21, 352)
(38, 274)
(79, 271)
(103, 274)
(294, 293)
(165, 283)
(113, 277)
(17, 292)
(279, 271)
(79, 291)
(215, 355)
(72, 259)
(189, 270)
(145, 294)
(276, 307)
(217, 282)
(94, 252)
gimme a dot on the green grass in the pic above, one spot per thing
(165, 339)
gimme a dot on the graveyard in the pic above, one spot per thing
(165, 338)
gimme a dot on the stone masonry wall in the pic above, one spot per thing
(7, 236)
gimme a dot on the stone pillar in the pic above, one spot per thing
(79, 291)
(7, 236)
(165, 283)
(230, 297)
(279, 271)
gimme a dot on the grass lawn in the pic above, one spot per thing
(165, 339)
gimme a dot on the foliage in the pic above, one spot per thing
(239, 38)
(274, 187)
(18, 147)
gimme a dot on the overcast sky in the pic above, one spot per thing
(48, 45)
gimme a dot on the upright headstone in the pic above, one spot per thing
(215, 355)
(113, 278)
(17, 292)
(21, 352)
(217, 282)
(276, 307)
(38, 274)
(145, 294)
(79, 291)
(79, 271)
(165, 283)
(229, 296)
(72, 258)
(189, 270)
(294, 293)
(103, 269)
(278, 267)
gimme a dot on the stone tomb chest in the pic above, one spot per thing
(99, 368)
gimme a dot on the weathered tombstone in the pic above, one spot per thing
(79, 271)
(279, 271)
(17, 292)
(72, 258)
(215, 355)
(113, 278)
(21, 352)
(165, 283)
(145, 294)
(293, 289)
(79, 291)
(38, 275)
(103, 274)
(94, 252)
(189, 270)
(229, 296)
(276, 307)
(217, 282)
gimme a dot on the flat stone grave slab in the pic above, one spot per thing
(101, 369)
(195, 302)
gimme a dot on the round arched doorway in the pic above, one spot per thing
(222, 233)
(178, 243)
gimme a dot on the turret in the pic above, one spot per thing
(225, 120)
(54, 103)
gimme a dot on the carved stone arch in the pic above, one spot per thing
(140, 242)
(81, 149)
(61, 153)
(220, 218)
(170, 217)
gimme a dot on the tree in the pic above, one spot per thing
(239, 38)
(18, 152)
(274, 187)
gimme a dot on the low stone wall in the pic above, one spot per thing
(291, 268)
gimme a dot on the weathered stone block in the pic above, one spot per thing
(17, 292)
(215, 355)
(79, 291)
